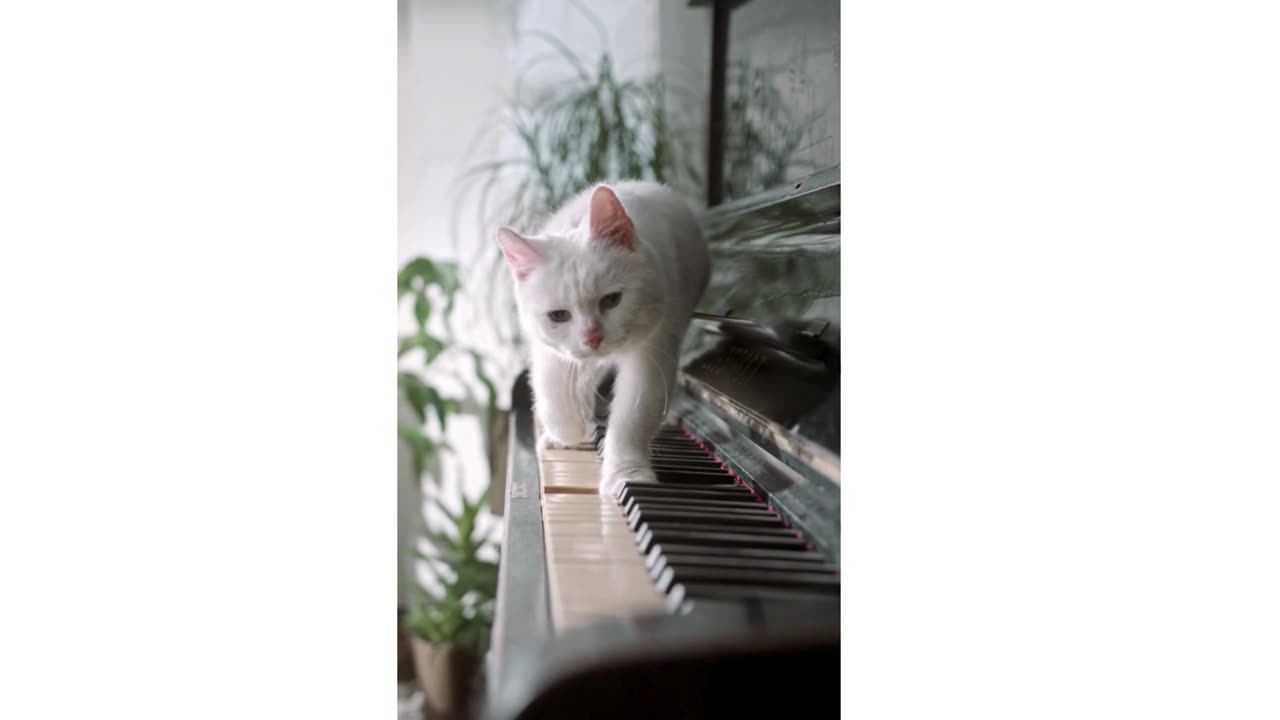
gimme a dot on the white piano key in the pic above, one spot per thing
(569, 472)
(594, 570)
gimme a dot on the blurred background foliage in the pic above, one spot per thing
(454, 602)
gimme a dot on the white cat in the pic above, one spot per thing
(609, 282)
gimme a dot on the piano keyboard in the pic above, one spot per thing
(697, 536)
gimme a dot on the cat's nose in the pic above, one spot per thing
(593, 337)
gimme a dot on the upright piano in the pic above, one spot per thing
(716, 589)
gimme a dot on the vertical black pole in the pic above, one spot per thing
(715, 117)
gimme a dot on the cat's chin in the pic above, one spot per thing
(566, 355)
(588, 356)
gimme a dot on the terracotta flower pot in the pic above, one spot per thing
(447, 673)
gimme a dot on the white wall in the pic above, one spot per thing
(451, 73)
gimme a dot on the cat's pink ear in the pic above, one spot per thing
(609, 221)
(520, 254)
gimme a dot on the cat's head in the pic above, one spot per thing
(588, 293)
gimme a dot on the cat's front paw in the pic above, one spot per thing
(613, 476)
(546, 442)
(562, 432)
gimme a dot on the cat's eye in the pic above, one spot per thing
(610, 301)
(559, 316)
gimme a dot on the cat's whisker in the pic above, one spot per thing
(666, 399)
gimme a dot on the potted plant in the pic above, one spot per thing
(445, 623)
(449, 621)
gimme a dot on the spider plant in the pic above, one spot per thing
(594, 128)
(763, 134)
(597, 127)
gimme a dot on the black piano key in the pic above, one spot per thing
(693, 517)
(707, 521)
(688, 465)
(687, 447)
(755, 579)
(715, 527)
(747, 504)
(710, 468)
(682, 448)
(735, 507)
(761, 610)
(655, 563)
(693, 453)
(750, 602)
(705, 492)
(692, 477)
(654, 489)
(749, 553)
(726, 484)
(711, 591)
(649, 536)
(678, 495)
(729, 503)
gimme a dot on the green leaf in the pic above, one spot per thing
(453, 518)
(491, 393)
(447, 278)
(490, 389)
(445, 407)
(445, 541)
(422, 310)
(422, 341)
(416, 392)
(416, 274)
(422, 447)
(422, 396)
(418, 439)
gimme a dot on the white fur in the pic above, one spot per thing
(567, 266)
